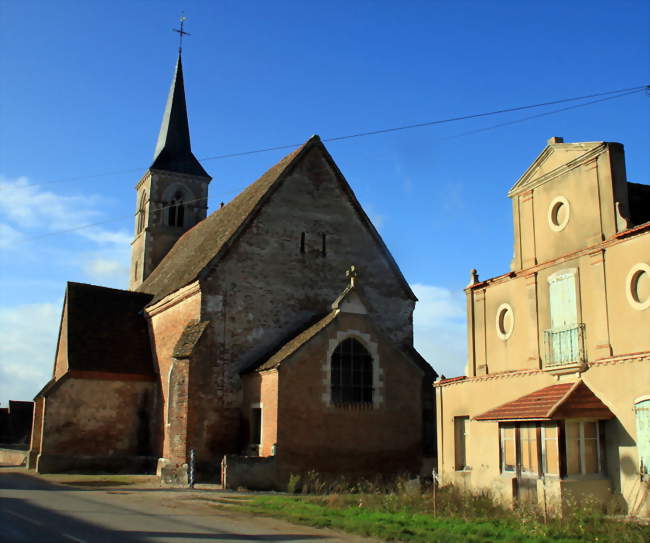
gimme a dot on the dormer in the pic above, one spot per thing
(573, 196)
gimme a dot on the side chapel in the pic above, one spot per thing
(240, 332)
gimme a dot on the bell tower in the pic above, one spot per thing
(172, 196)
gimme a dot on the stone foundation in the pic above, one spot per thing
(63, 463)
(252, 472)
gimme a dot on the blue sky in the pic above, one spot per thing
(84, 86)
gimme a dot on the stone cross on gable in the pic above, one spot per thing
(352, 274)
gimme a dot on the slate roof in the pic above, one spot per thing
(173, 149)
(189, 338)
(294, 344)
(107, 331)
(566, 400)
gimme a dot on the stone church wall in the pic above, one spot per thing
(97, 424)
(261, 391)
(213, 428)
(61, 361)
(315, 434)
(266, 289)
(167, 321)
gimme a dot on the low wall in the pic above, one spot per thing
(13, 457)
(61, 463)
(252, 472)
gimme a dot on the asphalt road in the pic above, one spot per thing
(33, 510)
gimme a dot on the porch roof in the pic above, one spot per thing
(563, 401)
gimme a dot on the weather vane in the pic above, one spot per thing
(181, 33)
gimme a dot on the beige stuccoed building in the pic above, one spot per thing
(555, 403)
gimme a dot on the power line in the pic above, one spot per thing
(625, 92)
(619, 92)
(477, 115)
(546, 113)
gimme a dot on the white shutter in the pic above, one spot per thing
(563, 303)
(642, 412)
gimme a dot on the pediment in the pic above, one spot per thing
(554, 160)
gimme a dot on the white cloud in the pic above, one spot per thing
(28, 208)
(9, 236)
(112, 271)
(439, 328)
(27, 349)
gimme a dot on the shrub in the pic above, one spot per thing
(293, 486)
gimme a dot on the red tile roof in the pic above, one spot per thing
(566, 400)
(450, 380)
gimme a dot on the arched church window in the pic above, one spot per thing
(351, 377)
(141, 212)
(176, 211)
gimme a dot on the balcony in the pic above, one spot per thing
(565, 346)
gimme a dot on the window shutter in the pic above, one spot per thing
(642, 412)
(562, 294)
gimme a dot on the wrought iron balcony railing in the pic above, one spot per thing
(565, 346)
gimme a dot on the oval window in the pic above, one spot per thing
(558, 213)
(505, 321)
(638, 286)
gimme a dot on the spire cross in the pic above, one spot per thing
(181, 33)
(352, 274)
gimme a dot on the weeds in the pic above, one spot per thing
(401, 509)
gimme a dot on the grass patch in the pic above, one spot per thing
(390, 517)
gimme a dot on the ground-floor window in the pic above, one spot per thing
(550, 449)
(571, 447)
(582, 448)
(508, 448)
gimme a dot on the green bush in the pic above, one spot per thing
(293, 486)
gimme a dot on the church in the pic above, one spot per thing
(278, 328)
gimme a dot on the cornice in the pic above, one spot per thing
(528, 182)
(145, 177)
(173, 299)
(166, 174)
(489, 377)
(617, 238)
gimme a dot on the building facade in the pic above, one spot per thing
(145, 376)
(554, 405)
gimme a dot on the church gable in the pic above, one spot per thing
(287, 264)
(557, 158)
(202, 247)
(61, 356)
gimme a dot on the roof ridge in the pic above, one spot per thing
(121, 290)
(294, 343)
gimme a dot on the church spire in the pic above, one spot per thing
(173, 150)
(172, 196)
